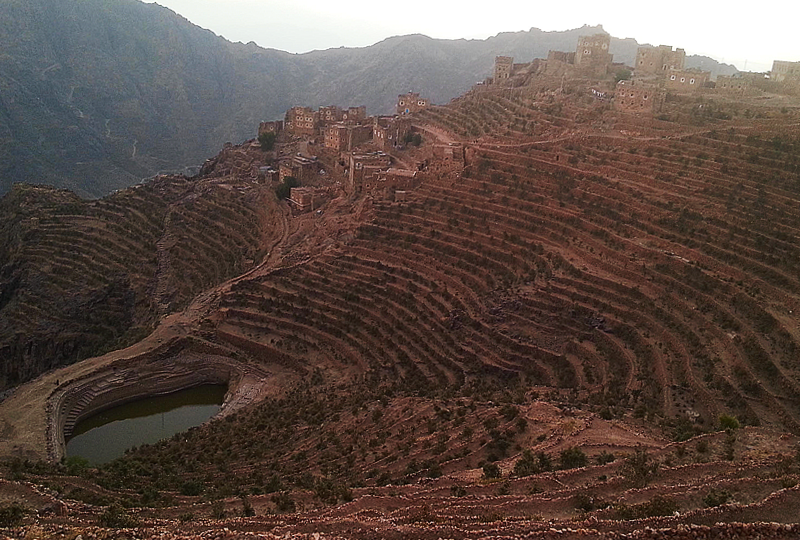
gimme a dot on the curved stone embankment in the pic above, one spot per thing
(116, 384)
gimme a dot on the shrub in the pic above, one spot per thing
(605, 457)
(458, 491)
(716, 497)
(526, 465)
(11, 515)
(284, 502)
(638, 468)
(491, 470)
(191, 488)
(728, 422)
(267, 140)
(573, 457)
(115, 516)
(218, 510)
(657, 506)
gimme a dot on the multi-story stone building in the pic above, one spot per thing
(343, 137)
(330, 115)
(301, 121)
(592, 54)
(364, 170)
(687, 80)
(355, 115)
(503, 68)
(658, 60)
(638, 96)
(733, 84)
(388, 131)
(782, 71)
(270, 127)
(410, 103)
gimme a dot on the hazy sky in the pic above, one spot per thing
(726, 30)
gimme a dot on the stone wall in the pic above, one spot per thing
(119, 383)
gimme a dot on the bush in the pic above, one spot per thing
(716, 497)
(218, 510)
(657, 506)
(573, 457)
(115, 516)
(11, 515)
(605, 457)
(267, 140)
(491, 470)
(284, 190)
(639, 469)
(191, 488)
(526, 465)
(728, 422)
(284, 502)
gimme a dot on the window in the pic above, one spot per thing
(691, 81)
(402, 103)
(683, 79)
(672, 78)
(645, 96)
(586, 51)
(420, 103)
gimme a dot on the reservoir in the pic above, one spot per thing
(106, 435)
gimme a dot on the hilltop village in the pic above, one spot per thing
(333, 149)
(318, 154)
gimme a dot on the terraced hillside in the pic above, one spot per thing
(83, 277)
(559, 338)
(648, 265)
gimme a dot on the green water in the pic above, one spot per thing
(106, 435)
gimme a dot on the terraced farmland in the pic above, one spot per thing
(83, 277)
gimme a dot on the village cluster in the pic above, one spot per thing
(325, 148)
(656, 71)
(350, 145)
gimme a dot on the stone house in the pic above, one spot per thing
(301, 121)
(687, 80)
(638, 96)
(410, 103)
(658, 61)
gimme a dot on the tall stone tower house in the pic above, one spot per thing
(503, 65)
(593, 53)
(658, 60)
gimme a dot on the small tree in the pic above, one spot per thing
(284, 502)
(639, 469)
(117, 517)
(11, 515)
(573, 457)
(491, 470)
(267, 140)
(727, 422)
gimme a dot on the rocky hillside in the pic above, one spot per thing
(95, 94)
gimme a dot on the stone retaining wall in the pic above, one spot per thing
(117, 384)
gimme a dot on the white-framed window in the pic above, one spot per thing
(402, 103)
(691, 81)
(586, 51)
(672, 78)
(420, 103)
(645, 96)
(683, 79)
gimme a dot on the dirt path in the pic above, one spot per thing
(24, 415)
